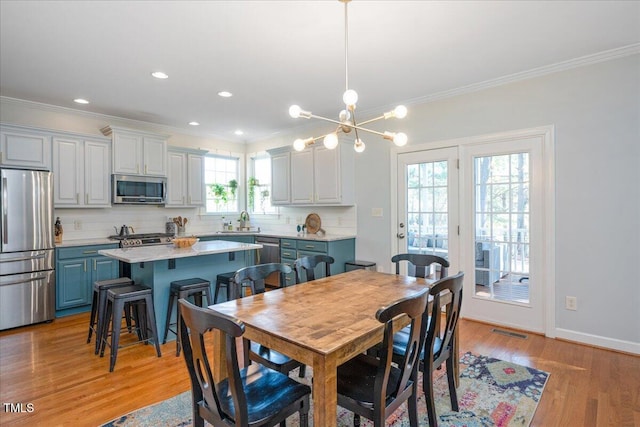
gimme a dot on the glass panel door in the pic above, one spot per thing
(427, 203)
(502, 227)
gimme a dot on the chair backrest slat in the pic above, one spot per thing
(256, 274)
(421, 263)
(452, 284)
(201, 321)
(308, 264)
(414, 307)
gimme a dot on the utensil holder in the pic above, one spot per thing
(181, 230)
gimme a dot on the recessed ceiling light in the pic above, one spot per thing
(225, 94)
(194, 123)
(160, 75)
(239, 132)
(81, 101)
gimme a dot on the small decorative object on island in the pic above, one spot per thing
(58, 231)
(181, 223)
(185, 242)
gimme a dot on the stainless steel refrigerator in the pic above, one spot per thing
(27, 275)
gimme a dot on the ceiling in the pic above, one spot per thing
(271, 54)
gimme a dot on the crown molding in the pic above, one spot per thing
(109, 118)
(582, 61)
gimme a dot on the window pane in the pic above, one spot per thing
(221, 181)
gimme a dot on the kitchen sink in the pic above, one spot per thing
(252, 231)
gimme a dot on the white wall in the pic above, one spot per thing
(596, 113)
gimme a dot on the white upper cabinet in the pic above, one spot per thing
(185, 178)
(25, 147)
(138, 153)
(314, 176)
(280, 178)
(81, 172)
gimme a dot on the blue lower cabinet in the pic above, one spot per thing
(77, 268)
(341, 250)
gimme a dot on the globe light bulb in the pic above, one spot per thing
(400, 139)
(294, 111)
(331, 141)
(344, 115)
(350, 97)
(359, 146)
(400, 112)
(298, 144)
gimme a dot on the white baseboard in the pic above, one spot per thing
(598, 341)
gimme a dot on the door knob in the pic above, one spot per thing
(400, 235)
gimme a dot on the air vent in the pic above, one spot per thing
(509, 333)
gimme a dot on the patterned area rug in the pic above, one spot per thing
(492, 392)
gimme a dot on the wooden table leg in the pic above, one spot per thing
(325, 388)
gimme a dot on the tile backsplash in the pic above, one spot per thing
(101, 223)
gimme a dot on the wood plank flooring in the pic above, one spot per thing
(52, 368)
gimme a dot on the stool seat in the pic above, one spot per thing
(141, 299)
(182, 289)
(188, 284)
(98, 305)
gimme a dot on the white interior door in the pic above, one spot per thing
(428, 204)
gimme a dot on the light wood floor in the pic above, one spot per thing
(50, 367)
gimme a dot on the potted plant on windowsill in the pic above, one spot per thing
(252, 183)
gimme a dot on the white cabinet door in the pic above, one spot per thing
(195, 180)
(154, 152)
(302, 177)
(127, 153)
(176, 183)
(280, 179)
(327, 177)
(81, 173)
(68, 168)
(97, 174)
(24, 148)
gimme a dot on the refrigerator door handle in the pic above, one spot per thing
(26, 258)
(5, 207)
(17, 282)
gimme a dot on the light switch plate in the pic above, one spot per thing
(376, 211)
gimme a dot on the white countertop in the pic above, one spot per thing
(282, 235)
(161, 252)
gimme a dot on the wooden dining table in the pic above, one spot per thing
(322, 323)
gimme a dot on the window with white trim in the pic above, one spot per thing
(259, 186)
(221, 175)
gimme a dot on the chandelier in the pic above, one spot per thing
(346, 118)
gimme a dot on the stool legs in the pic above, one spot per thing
(167, 323)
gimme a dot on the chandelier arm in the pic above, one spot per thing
(353, 126)
(375, 119)
(346, 47)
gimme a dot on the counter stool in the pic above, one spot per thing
(195, 287)
(141, 300)
(224, 280)
(99, 303)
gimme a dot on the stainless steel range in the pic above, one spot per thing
(145, 239)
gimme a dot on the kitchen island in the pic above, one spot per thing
(158, 266)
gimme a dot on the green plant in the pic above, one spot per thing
(252, 183)
(219, 193)
(264, 194)
(233, 186)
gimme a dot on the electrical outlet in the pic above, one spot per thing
(77, 224)
(376, 212)
(571, 303)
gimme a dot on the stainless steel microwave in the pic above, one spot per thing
(139, 190)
